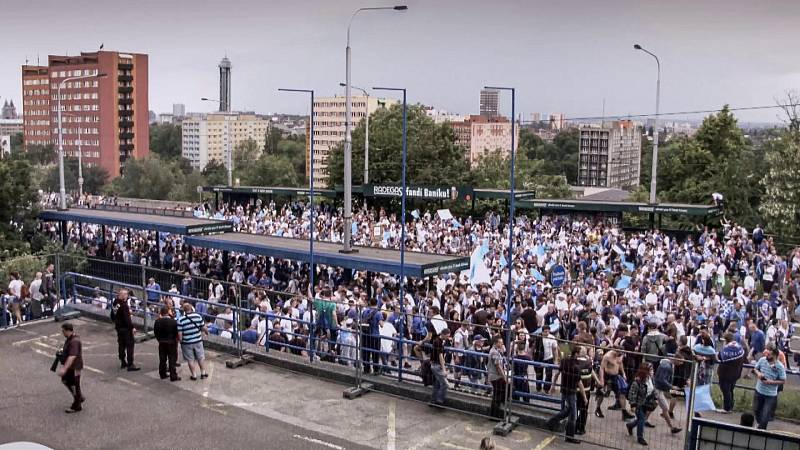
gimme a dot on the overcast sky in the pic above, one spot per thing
(561, 55)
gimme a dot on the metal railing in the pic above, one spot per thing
(344, 343)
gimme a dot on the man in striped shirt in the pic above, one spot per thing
(191, 328)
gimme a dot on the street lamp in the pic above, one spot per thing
(348, 151)
(509, 288)
(228, 144)
(80, 159)
(402, 219)
(366, 136)
(63, 190)
(311, 184)
(654, 167)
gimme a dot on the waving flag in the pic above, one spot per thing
(478, 272)
(623, 282)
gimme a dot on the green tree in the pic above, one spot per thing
(272, 170)
(18, 214)
(780, 203)
(215, 173)
(151, 178)
(165, 141)
(493, 171)
(37, 154)
(434, 158)
(559, 157)
(94, 177)
(245, 154)
(186, 191)
(274, 136)
(16, 142)
(529, 142)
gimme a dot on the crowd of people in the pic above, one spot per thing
(647, 306)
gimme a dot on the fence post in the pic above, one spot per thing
(144, 291)
(359, 362)
(400, 343)
(690, 406)
(237, 319)
(57, 282)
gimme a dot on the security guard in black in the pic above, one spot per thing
(121, 315)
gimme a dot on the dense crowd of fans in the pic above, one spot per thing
(720, 297)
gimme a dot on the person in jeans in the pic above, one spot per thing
(731, 359)
(438, 368)
(640, 396)
(770, 374)
(571, 384)
(498, 375)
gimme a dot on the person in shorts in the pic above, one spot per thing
(191, 329)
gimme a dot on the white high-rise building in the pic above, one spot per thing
(178, 110)
(211, 137)
(329, 130)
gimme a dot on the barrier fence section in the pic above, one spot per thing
(38, 298)
(253, 319)
(709, 434)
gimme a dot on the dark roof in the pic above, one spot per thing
(631, 207)
(185, 226)
(417, 264)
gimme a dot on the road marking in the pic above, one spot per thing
(125, 380)
(429, 438)
(318, 441)
(459, 447)
(51, 347)
(544, 443)
(42, 352)
(92, 369)
(391, 433)
(28, 340)
(216, 410)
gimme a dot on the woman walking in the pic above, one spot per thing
(641, 396)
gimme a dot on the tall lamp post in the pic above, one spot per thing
(402, 222)
(510, 287)
(348, 150)
(311, 188)
(228, 136)
(654, 166)
(63, 190)
(80, 157)
(366, 135)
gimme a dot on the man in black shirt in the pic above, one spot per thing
(438, 367)
(571, 387)
(588, 378)
(166, 333)
(70, 373)
(121, 316)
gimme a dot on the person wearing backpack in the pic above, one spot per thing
(653, 344)
(371, 337)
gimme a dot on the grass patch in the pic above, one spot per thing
(788, 400)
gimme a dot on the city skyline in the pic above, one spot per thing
(565, 58)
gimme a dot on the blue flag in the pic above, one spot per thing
(623, 282)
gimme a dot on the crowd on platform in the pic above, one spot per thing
(720, 297)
